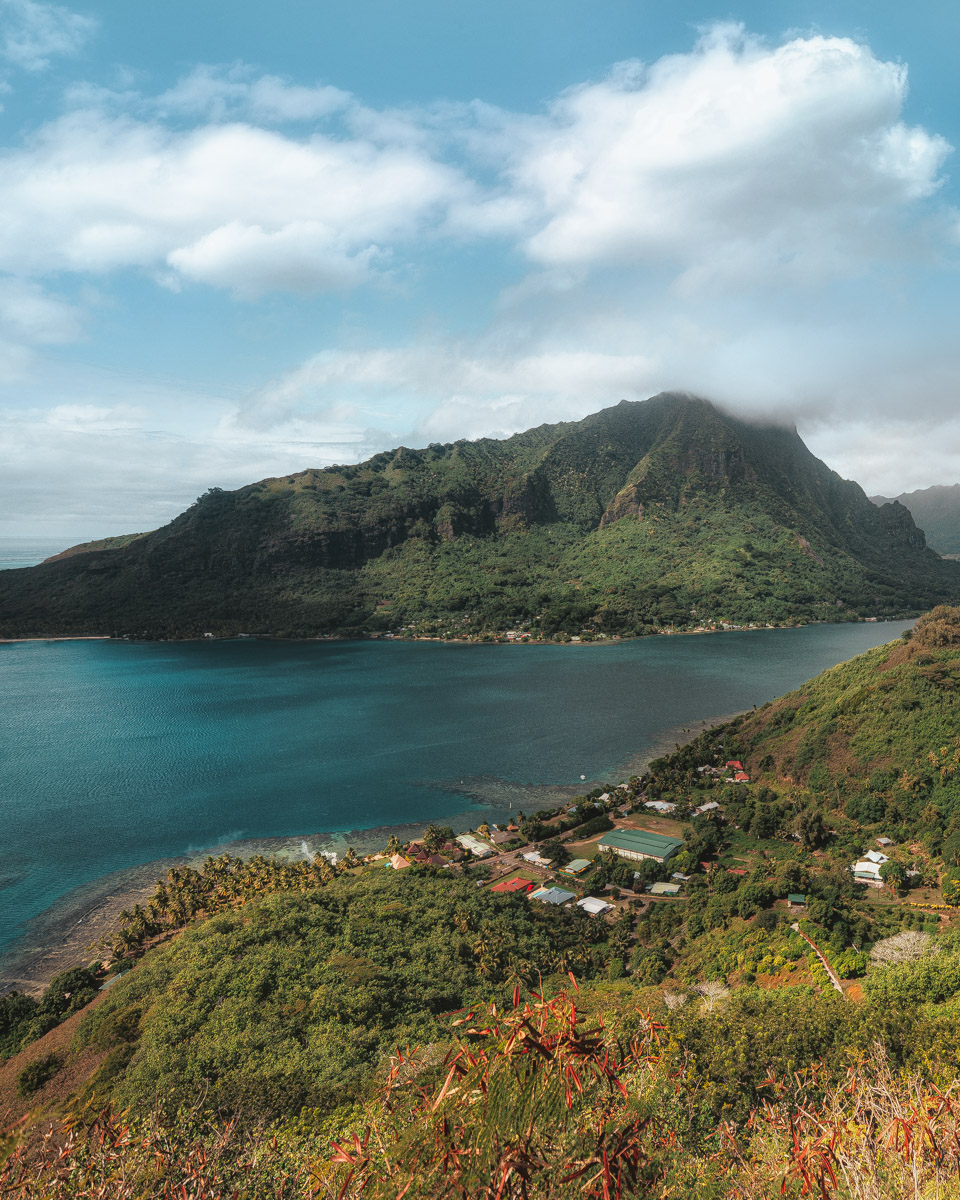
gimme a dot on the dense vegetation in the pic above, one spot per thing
(937, 511)
(666, 513)
(365, 1033)
(297, 1000)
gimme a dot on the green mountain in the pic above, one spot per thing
(937, 511)
(667, 512)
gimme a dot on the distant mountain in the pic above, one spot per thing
(666, 512)
(937, 511)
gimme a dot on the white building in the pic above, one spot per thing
(594, 906)
(868, 873)
(477, 848)
(535, 857)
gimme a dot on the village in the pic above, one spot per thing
(617, 853)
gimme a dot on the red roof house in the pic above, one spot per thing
(512, 885)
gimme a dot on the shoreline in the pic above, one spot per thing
(611, 640)
(62, 936)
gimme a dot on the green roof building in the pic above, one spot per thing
(576, 867)
(637, 844)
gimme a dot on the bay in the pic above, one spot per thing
(114, 754)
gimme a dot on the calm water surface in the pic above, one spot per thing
(27, 551)
(116, 753)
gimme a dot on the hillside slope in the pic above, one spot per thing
(666, 512)
(937, 511)
(870, 745)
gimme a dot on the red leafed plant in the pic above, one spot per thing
(531, 1102)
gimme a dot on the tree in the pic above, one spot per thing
(901, 948)
(894, 875)
(950, 886)
(811, 827)
(435, 837)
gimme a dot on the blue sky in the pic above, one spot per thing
(243, 239)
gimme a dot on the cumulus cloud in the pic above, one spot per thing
(232, 205)
(739, 161)
(735, 160)
(33, 32)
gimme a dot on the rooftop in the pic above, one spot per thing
(576, 866)
(552, 895)
(641, 842)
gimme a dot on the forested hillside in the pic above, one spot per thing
(665, 513)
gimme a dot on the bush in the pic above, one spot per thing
(36, 1074)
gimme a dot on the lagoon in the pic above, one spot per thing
(114, 754)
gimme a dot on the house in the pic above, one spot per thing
(796, 900)
(660, 806)
(576, 867)
(477, 848)
(638, 844)
(512, 885)
(604, 797)
(535, 857)
(868, 873)
(710, 806)
(735, 763)
(500, 837)
(398, 862)
(681, 878)
(594, 906)
(884, 841)
(741, 777)
(552, 895)
(664, 889)
(875, 856)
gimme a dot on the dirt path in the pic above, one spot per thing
(831, 973)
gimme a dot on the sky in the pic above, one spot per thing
(243, 239)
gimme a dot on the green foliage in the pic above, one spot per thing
(33, 1076)
(23, 1019)
(665, 513)
(295, 999)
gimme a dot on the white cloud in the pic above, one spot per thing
(458, 390)
(302, 256)
(691, 225)
(34, 32)
(231, 205)
(738, 162)
(216, 93)
(31, 318)
(729, 162)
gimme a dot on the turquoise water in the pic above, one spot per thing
(115, 753)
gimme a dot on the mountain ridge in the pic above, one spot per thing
(937, 510)
(649, 514)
